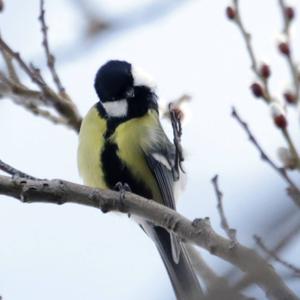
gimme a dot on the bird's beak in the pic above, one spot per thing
(129, 93)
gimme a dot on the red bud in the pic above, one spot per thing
(178, 113)
(257, 89)
(265, 71)
(230, 12)
(290, 97)
(280, 121)
(289, 12)
(284, 48)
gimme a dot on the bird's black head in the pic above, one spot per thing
(123, 90)
(114, 81)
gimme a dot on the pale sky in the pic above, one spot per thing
(74, 252)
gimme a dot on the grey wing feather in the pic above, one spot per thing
(165, 180)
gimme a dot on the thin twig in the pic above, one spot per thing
(62, 103)
(286, 239)
(14, 172)
(266, 95)
(29, 99)
(18, 90)
(177, 103)
(292, 148)
(16, 55)
(177, 132)
(281, 171)
(247, 38)
(280, 244)
(274, 255)
(50, 57)
(246, 35)
(230, 232)
(290, 60)
(10, 67)
(45, 114)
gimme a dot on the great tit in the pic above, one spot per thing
(121, 140)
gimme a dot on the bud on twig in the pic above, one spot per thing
(278, 115)
(179, 107)
(280, 121)
(265, 71)
(178, 113)
(287, 159)
(289, 97)
(284, 48)
(230, 12)
(289, 13)
(257, 89)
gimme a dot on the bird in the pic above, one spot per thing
(122, 141)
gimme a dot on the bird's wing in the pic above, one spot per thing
(160, 160)
(161, 167)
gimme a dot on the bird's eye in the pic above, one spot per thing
(129, 93)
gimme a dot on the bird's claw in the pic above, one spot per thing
(122, 188)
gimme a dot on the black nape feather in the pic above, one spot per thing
(143, 100)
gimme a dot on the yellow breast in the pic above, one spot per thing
(91, 142)
(134, 138)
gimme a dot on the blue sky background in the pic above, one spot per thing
(74, 252)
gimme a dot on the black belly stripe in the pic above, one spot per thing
(115, 171)
(113, 168)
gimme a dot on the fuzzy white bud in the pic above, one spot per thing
(280, 37)
(278, 115)
(277, 109)
(286, 158)
(181, 106)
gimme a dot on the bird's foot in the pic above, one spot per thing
(122, 188)
(119, 186)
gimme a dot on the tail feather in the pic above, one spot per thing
(182, 275)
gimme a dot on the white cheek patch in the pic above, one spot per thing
(140, 78)
(161, 159)
(116, 108)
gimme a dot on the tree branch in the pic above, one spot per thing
(281, 171)
(61, 102)
(12, 73)
(175, 117)
(14, 172)
(273, 254)
(198, 232)
(263, 73)
(281, 242)
(49, 56)
(231, 233)
(287, 16)
(217, 286)
(247, 39)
